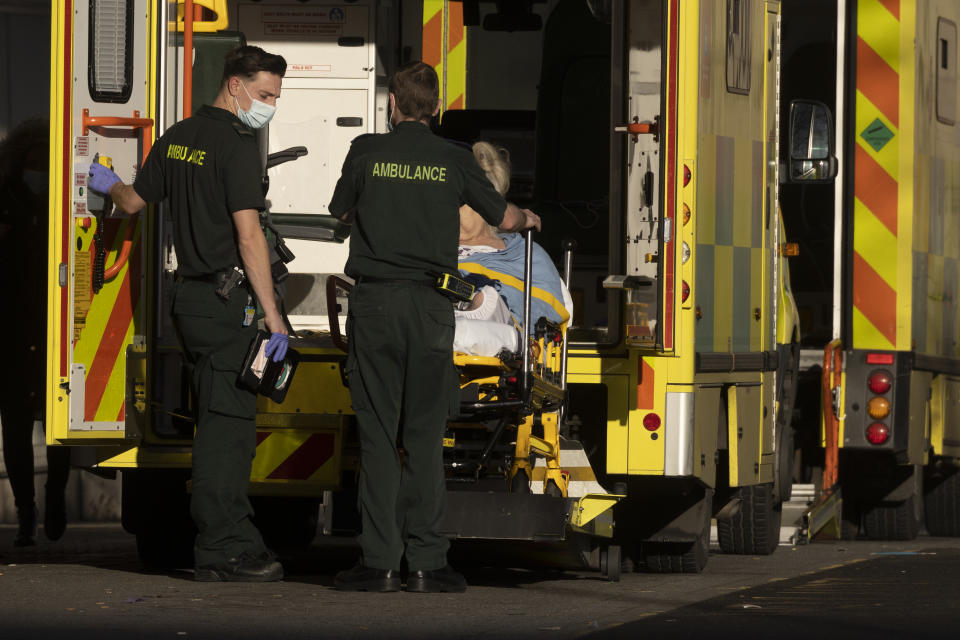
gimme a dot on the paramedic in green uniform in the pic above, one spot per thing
(208, 168)
(402, 192)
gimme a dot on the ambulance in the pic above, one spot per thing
(646, 134)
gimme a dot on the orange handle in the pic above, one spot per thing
(145, 125)
(832, 364)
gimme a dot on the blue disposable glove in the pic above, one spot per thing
(101, 178)
(277, 346)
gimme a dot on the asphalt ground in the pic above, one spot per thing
(90, 585)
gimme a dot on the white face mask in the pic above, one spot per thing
(259, 114)
(36, 181)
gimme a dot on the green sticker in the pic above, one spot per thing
(877, 134)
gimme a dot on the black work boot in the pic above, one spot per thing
(247, 567)
(444, 579)
(27, 530)
(54, 517)
(361, 578)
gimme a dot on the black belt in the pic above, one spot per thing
(427, 282)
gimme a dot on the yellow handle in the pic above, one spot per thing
(219, 7)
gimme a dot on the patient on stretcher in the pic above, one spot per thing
(493, 321)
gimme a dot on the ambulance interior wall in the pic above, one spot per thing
(545, 96)
(808, 64)
(26, 84)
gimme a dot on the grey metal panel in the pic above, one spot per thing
(726, 159)
(679, 434)
(742, 311)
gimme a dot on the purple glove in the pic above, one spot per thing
(101, 178)
(277, 346)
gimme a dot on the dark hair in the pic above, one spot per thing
(29, 136)
(416, 88)
(246, 61)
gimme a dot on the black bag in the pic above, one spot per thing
(264, 376)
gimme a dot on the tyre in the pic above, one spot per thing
(611, 562)
(785, 435)
(755, 528)
(286, 522)
(898, 520)
(893, 521)
(941, 502)
(680, 557)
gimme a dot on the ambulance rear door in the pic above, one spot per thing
(101, 103)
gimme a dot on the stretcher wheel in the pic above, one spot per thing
(610, 561)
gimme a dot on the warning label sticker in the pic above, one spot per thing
(877, 134)
(301, 29)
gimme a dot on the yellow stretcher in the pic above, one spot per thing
(510, 472)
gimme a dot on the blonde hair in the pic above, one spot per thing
(495, 162)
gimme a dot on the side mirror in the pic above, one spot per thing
(811, 143)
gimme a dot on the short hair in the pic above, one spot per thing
(495, 162)
(248, 60)
(416, 88)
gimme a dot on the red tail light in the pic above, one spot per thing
(880, 382)
(879, 358)
(651, 422)
(877, 433)
(684, 291)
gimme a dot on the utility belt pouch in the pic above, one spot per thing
(262, 375)
(227, 281)
(454, 287)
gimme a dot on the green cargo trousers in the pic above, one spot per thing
(401, 377)
(215, 343)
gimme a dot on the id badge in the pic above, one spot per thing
(248, 313)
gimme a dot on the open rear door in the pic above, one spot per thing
(101, 103)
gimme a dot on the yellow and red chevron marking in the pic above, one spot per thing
(876, 175)
(107, 328)
(293, 454)
(445, 49)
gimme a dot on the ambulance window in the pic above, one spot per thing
(738, 46)
(110, 62)
(946, 71)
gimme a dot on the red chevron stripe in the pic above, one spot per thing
(893, 6)
(304, 462)
(878, 81)
(455, 31)
(111, 343)
(433, 40)
(262, 435)
(876, 189)
(874, 298)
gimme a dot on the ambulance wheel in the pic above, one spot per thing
(899, 520)
(679, 557)
(755, 528)
(941, 501)
(611, 562)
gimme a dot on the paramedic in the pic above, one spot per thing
(209, 168)
(402, 191)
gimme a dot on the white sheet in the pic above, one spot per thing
(484, 337)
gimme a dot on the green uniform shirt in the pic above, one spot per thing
(209, 166)
(407, 187)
